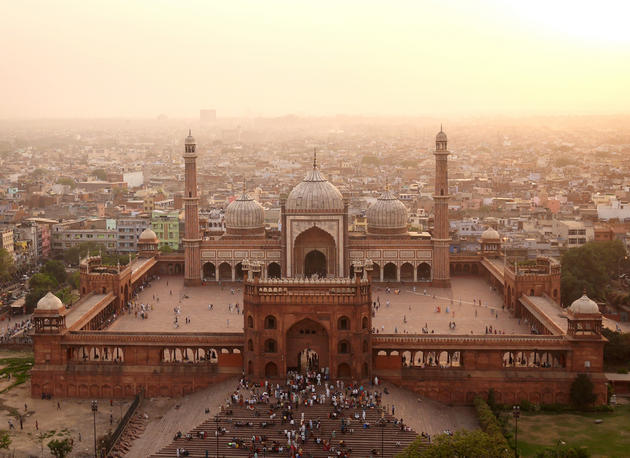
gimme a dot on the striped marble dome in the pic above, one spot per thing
(315, 192)
(387, 215)
(244, 213)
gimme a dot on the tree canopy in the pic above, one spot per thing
(100, 174)
(590, 267)
(55, 269)
(6, 265)
(60, 448)
(617, 348)
(582, 395)
(461, 444)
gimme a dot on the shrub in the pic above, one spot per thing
(582, 395)
(489, 422)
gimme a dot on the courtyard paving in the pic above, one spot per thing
(470, 303)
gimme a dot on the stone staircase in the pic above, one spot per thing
(242, 424)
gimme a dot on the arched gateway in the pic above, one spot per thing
(315, 252)
(309, 339)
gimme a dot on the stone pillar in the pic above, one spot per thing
(233, 272)
(398, 273)
(382, 268)
(415, 273)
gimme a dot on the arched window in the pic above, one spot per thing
(531, 292)
(364, 323)
(270, 322)
(270, 346)
(250, 322)
(343, 323)
(343, 347)
(365, 346)
(250, 345)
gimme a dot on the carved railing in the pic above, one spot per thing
(426, 341)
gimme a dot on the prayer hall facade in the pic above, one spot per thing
(307, 304)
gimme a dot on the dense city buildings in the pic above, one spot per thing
(300, 299)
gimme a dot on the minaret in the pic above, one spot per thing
(192, 240)
(441, 239)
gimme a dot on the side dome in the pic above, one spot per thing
(244, 215)
(315, 192)
(490, 234)
(50, 303)
(148, 236)
(387, 215)
(584, 305)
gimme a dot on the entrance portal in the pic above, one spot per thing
(314, 252)
(308, 361)
(307, 346)
(315, 263)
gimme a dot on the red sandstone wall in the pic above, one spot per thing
(122, 383)
(538, 391)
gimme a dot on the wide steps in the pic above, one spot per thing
(361, 442)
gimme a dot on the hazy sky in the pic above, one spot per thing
(141, 58)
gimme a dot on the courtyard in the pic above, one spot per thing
(471, 304)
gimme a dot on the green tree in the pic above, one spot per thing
(32, 297)
(564, 451)
(166, 249)
(55, 269)
(71, 255)
(74, 279)
(60, 448)
(67, 182)
(6, 265)
(590, 267)
(617, 349)
(460, 444)
(370, 160)
(582, 395)
(43, 281)
(100, 174)
(5, 440)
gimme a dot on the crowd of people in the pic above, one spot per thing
(17, 328)
(288, 405)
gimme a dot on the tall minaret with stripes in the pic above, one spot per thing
(441, 239)
(191, 240)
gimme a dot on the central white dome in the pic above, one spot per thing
(315, 192)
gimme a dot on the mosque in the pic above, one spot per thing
(307, 298)
(314, 237)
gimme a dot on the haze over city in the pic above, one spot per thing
(384, 229)
(76, 59)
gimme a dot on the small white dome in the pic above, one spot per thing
(148, 236)
(441, 136)
(490, 234)
(315, 192)
(244, 213)
(387, 215)
(50, 302)
(584, 305)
